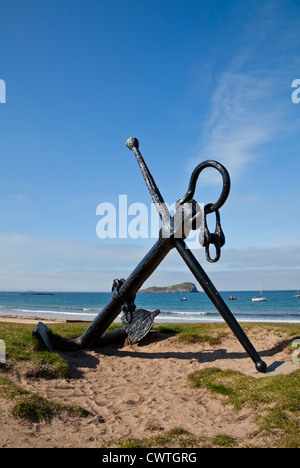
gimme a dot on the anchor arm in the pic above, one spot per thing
(218, 302)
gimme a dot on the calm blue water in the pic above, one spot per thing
(282, 307)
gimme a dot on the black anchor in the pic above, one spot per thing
(137, 322)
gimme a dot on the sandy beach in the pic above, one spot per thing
(139, 390)
(29, 320)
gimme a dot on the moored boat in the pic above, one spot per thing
(260, 298)
(232, 298)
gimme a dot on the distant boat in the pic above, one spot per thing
(260, 298)
(297, 295)
(183, 299)
(232, 298)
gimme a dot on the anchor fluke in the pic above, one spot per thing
(140, 325)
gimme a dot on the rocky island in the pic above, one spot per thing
(176, 288)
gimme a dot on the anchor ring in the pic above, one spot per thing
(193, 181)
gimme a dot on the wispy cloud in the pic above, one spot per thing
(243, 115)
(49, 264)
(250, 102)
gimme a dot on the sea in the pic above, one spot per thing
(281, 306)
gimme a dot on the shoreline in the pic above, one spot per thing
(33, 320)
(281, 308)
(51, 320)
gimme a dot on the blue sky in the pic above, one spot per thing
(193, 80)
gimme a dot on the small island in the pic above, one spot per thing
(176, 288)
(35, 294)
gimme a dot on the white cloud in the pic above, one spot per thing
(52, 264)
(28, 263)
(250, 104)
(244, 114)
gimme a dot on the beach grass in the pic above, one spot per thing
(31, 406)
(276, 398)
(177, 437)
(214, 333)
(196, 332)
(22, 346)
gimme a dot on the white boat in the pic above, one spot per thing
(297, 295)
(260, 298)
